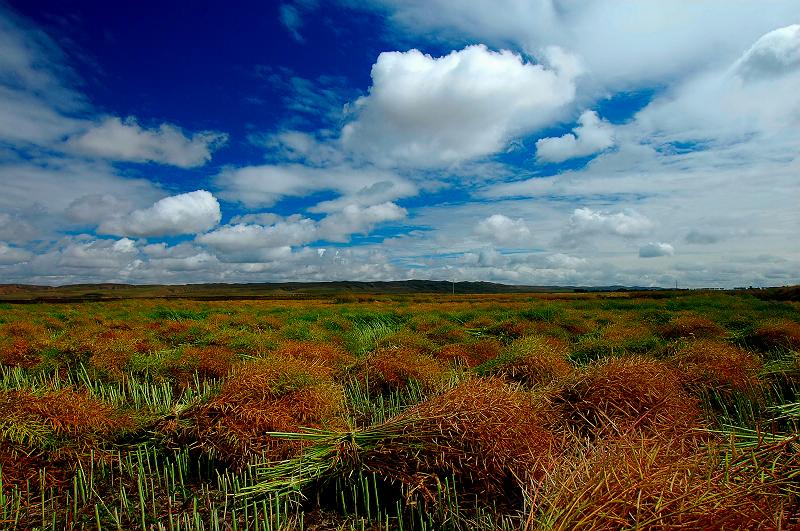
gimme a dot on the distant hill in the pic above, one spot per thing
(108, 291)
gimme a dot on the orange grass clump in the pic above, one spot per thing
(640, 483)
(258, 397)
(620, 332)
(52, 430)
(781, 333)
(626, 394)
(18, 352)
(691, 326)
(210, 361)
(531, 360)
(485, 433)
(22, 343)
(64, 412)
(717, 365)
(471, 354)
(405, 339)
(390, 369)
(113, 348)
(327, 354)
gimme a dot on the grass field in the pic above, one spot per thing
(663, 410)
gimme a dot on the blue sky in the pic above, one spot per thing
(528, 142)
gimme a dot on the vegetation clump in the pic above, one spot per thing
(709, 365)
(259, 397)
(629, 394)
(531, 360)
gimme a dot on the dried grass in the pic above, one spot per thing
(629, 394)
(327, 354)
(19, 352)
(718, 366)
(259, 397)
(691, 326)
(471, 354)
(391, 369)
(781, 334)
(484, 433)
(209, 361)
(646, 483)
(64, 411)
(531, 360)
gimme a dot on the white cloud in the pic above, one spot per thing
(503, 230)
(622, 44)
(774, 54)
(591, 136)
(188, 213)
(42, 197)
(252, 241)
(15, 229)
(263, 186)
(356, 219)
(299, 146)
(83, 254)
(91, 209)
(126, 140)
(37, 94)
(425, 111)
(565, 261)
(13, 255)
(257, 218)
(585, 222)
(656, 249)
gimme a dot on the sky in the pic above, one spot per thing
(539, 142)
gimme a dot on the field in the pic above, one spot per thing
(660, 410)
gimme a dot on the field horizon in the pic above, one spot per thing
(266, 290)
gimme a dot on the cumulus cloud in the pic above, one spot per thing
(126, 140)
(593, 135)
(424, 111)
(188, 213)
(585, 222)
(503, 230)
(752, 101)
(656, 249)
(774, 54)
(84, 254)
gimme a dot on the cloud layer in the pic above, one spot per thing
(532, 142)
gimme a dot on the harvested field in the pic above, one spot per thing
(524, 411)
